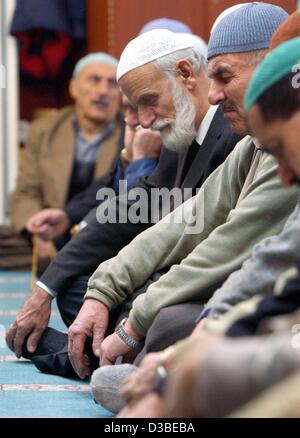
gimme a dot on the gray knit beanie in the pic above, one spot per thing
(246, 29)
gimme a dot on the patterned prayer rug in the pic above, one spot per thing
(25, 391)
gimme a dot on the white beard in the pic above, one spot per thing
(180, 132)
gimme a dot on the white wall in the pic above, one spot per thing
(9, 107)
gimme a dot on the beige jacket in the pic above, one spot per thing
(46, 165)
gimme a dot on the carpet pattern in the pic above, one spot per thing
(25, 391)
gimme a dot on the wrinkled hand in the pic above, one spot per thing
(31, 320)
(92, 321)
(151, 406)
(128, 139)
(46, 250)
(146, 143)
(49, 224)
(140, 383)
(182, 398)
(113, 347)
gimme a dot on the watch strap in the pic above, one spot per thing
(129, 340)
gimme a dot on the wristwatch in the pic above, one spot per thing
(129, 340)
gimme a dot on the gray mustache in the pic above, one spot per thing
(227, 107)
(101, 101)
(160, 125)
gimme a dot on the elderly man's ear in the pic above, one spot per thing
(186, 74)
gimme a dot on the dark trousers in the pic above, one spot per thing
(170, 325)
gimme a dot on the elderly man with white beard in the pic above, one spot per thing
(186, 171)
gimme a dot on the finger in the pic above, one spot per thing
(105, 360)
(19, 341)
(33, 340)
(98, 336)
(44, 231)
(126, 392)
(43, 228)
(47, 235)
(85, 371)
(29, 227)
(125, 413)
(80, 365)
(10, 335)
(76, 356)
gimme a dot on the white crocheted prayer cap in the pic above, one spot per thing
(148, 47)
(197, 42)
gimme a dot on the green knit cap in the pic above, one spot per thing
(274, 67)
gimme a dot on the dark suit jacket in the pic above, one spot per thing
(81, 204)
(99, 242)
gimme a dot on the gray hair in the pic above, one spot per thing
(167, 64)
(255, 57)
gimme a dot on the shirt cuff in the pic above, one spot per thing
(202, 315)
(46, 289)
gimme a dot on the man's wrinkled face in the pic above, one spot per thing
(160, 105)
(229, 76)
(130, 113)
(279, 138)
(96, 92)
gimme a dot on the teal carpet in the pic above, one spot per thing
(25, 391)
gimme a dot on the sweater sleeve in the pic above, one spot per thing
(201, 259)
(262, 212)
(269, 259)
(172, 239)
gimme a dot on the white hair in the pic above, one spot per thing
(167, 64)
(182, 130)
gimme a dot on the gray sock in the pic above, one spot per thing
(106, 383)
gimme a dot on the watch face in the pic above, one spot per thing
(123, 321)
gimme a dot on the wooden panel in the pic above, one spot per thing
(112, 23)
(98, 25)
(130, 16)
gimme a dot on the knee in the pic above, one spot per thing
(170, 325)
(162, 328)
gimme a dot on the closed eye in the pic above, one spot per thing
(148, 99)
